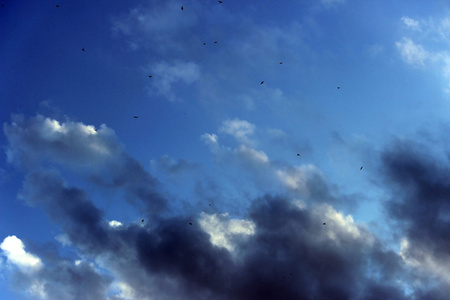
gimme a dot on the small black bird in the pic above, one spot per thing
(262, 82)
(210, 204)
(338, 87)
(324, 224)
(56, 5)
(182, 7)
(215, 42)
(135, 117)
(298, 154)
(360, 168)
(149, 76)
(281, 62)
(82, 49)
(204, 44)
(220, 2)
(142, 220)
(190, 223)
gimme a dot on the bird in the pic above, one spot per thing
(298, 154)
(338, 87)
(182, 7)
(220, 2)
(281, 62)
(149, 76)
(215, 42)
(360, 168)
(262, 82)
(142, 220)
(82, 49)
(135, 117)
(324, 223)
(210, 204)
(56, 5)
(190, 223)
(204, 44)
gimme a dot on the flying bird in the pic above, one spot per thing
(182, 7)
(149, 76)
(262, 82)
(142, 220)
(281, 62)
(204, 44)
(135, 117)
(210, 204)
(220, 2)
(324, 224)
(56, 5)
(298, 154)
(215, 42)
(190, 223)
(360, 168)
(338, 87)
(82, 49)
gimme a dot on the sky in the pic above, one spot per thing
(237, 150)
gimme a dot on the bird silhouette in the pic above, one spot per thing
(56, 5)
(142, 220)
(82, 49)
(262, 82)
(149, 76)
(298, 154)
(135, 117)
(281, 62)
(360, 168)
(210, 204)
(338, 87)
(215, 42)
(220, 2)
(190, 223)
(204, 44)
(324, 224)
(182, 7)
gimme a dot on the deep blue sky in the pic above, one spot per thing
(216, 148)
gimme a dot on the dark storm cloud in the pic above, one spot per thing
(290, 256)
(420, 207)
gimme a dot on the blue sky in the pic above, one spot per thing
(215, 147)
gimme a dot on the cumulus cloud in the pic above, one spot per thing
(411, 23)
(14, 250)
(240, 129)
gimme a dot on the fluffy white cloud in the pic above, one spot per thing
(14, 250)
(114, 223)
(240, 129)
(222, 229)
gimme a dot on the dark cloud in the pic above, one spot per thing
(420, 209)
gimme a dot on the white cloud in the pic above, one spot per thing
(63, 239)
(296, 178)
(411, 23)
(240, 129)
(14, 250)
(114, 223)
(411, 52)
(252, 155)
(222, 229)
(165, 75)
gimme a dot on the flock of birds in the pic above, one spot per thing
(262, 82)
